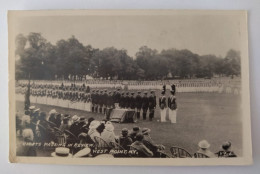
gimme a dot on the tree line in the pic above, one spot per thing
(69, 59)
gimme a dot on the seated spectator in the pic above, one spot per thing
(26, 119)
(138, 145)
(108, 134)
(93, 130)
(134, 133)
(149, 143)
(226, 152)
(64, 124)
(43, 130)
(28, 136)
(51, 114)
(75, 126)
(204, 149)
(89, 121)
(125, 141)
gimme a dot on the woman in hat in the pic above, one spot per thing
(108, 134)
(204, 149)
(93, 129)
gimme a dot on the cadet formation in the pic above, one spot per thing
(102, 101)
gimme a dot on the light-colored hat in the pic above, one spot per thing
(27, 134)
(32, 107)
(94, 124)
(146, 130)
(53, 111)
(82, 153)
(109, 127)
(75, 118)
(204, 144)
(61, 152)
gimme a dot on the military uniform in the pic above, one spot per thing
(163, 106)
(172, 105)
(132, 101)
(145, 104)
(138, 103)
(152, 105)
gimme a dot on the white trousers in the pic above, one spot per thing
(172, 115)
(163, 114)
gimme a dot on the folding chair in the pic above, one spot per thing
(178, 152)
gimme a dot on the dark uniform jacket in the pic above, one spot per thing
(132, 103)
(152, 102)
(162, 102)
(145, 102)
(138, 101)
(172, 102)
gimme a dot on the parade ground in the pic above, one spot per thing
(212, 116)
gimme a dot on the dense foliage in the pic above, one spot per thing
(70, 59)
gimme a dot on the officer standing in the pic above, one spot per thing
(152, 105)
(138, 103)
(122, 100)
(145, 104)
(93, 100)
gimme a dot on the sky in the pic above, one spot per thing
(200, 33)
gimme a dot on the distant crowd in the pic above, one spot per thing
(62, 129)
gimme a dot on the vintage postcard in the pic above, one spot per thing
(129, 87)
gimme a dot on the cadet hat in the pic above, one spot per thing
(127, 93)
(122, 92)
(105, 90)
(118, 89)
(132, 93)
(152, 91)
(138, 92)
(145, 92)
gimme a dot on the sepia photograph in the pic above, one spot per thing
(98, 86)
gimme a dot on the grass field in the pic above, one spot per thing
(211, 116)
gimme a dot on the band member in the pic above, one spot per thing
(110, 105)
(145, 104)
(138, 103)
(172, 105)
(152, 105)
(163, 105)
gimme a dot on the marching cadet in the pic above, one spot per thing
(100, 101)
(110, 105)
(145, 104)
(122, 100)
(105, 96)
(172, 105)
(117, 97)
(132, 101)
(152, 105)
(127, 100)
(97, 101)
(138, 103)
(163, 105)
(92, 100)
